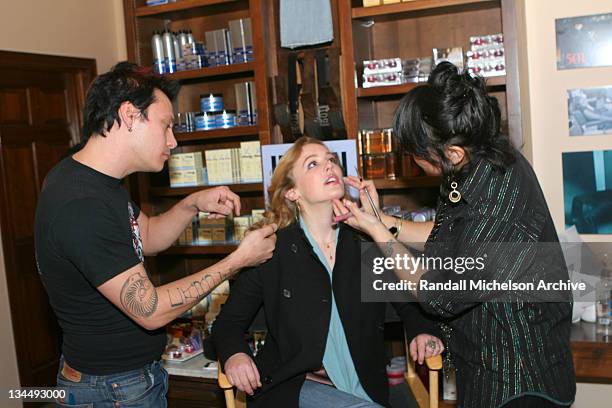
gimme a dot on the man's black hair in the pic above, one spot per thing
(125, 82)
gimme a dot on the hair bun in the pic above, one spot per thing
(444, 74)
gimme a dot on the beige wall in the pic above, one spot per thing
(546, 103)
(76, 28)
(545, 113)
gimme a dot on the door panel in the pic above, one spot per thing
(40, 103)
(14, 107)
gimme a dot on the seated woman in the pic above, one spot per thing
(324, 347)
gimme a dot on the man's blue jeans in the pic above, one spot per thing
(144, 387)
(317, 395)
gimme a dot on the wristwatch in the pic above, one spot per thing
(395, 229)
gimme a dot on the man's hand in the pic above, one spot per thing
(241, 371)
(256, 247)
(425, 345)
(219, 202)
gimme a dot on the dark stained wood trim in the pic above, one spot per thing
(24, 60)
(513, 82)
(257, 11)
(130, 30)
(347, 69)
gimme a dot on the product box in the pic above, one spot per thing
(213, 230)
(453, 55)
(158, 2)
(382, 66)
(185, 169)
(257, 215)
(212, 47)
(253, 99)
(244, 108)
(219, 166)
(370, 3)
(241, 39)
(250, 162)
(241, 225)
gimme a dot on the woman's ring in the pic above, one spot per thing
(432, 344)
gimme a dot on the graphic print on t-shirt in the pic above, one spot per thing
(136, 240)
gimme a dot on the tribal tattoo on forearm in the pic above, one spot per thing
(139, 296)
(196, 289)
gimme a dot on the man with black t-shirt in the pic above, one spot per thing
(91, 239)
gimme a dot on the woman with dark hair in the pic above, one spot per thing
(510, 348)
(324, 346)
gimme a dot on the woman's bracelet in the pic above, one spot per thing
(395, 229)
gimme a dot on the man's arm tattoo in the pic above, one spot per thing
(139, 296)
(195, 290)
(388, 250)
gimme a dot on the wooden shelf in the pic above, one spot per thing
(237, 132)
(377, 91)
(496, 82)
(209, 249)
(177, 6)
(415, 6)
(381, 91)
(222, 71)
(184, 191)
(407, 183)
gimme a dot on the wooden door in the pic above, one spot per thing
(41, 99)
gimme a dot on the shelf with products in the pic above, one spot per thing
(415, 6)
(405, 34)
(493, 83)
(231, 70)
(410, 31)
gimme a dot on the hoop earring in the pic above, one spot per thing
(454, 196)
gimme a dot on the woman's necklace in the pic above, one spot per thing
(328, 248)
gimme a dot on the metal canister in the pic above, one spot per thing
(205, 120)
(177, 46)
(211, 102)
(226, 119)
(190, 38)
(157, 46)
(170, 58)
(190, 121)
(182, 39)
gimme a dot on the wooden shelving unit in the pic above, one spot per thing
(215, 72)
(154, 196)
(208, 249)
(185, 191)
(406, 183)
(143, 11)
(439, 6)
(411, 30)
(392, 90)
(236, 132)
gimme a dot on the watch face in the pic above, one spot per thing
(393, 230)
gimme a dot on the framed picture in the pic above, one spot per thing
(590, 111)
(584, 41)
(587, 191)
